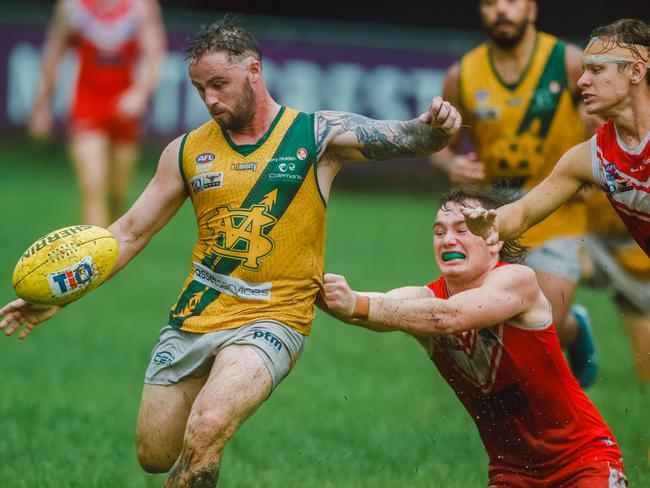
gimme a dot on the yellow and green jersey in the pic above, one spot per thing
(261, 227)
(521, 130)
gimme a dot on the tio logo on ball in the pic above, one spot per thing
(73, 278)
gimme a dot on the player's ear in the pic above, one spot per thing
(639, 72)
(255, 69)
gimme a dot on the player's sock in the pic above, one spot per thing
(582, 352)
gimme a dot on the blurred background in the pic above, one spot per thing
(382, 62)
(359, 409)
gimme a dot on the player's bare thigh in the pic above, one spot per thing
(202, 412)
(558, 268)
(250, 361)
(90, 154)
(90, 151)
(164, 410)
(560, 292)
(238, 384)
(124, 155)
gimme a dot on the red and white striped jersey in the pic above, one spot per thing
(106, 37)
(535, 421)
(624, 175)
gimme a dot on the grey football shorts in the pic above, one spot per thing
(608, 272)
(558, 257)
(179, 354)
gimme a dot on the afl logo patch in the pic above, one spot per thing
(301, 154)
(205, 157)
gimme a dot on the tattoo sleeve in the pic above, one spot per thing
(378, 139)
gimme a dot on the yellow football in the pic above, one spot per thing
(65, 264)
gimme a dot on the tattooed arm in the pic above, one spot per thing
(342, 136)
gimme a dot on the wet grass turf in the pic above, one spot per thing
(359, 409)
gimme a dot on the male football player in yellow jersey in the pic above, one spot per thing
(258, 175)
(518, 95)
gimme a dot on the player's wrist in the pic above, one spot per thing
(361, 307)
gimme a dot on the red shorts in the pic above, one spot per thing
(98, 112)
(597, 474)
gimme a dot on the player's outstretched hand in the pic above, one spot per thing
(339, 297)
(442, 114)
(482, 222)
(21, 313)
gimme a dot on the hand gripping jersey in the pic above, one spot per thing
(624, 174)
(522, 130)
(107, 47)
(536, 423)
(261, 225)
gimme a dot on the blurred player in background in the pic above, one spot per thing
(615, 85)
(618, 263)
(121, 47)
(488, 328)
(518, 94)
(258, 175)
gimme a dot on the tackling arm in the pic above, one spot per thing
(507, 293)
(342, 303)
(512, 220)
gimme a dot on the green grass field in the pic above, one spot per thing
(359, 409)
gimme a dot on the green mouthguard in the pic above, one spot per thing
(448, 256)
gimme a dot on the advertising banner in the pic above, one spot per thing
(382, 80)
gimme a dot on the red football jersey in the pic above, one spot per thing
(624, 175)
(105, 35)
(534, 420)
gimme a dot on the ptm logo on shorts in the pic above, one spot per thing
(163, 358)
(73, 278)
(268, 337)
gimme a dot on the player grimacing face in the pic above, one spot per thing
(459, 253)
(506, 20)
(225, 87)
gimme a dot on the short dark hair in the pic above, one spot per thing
(226, 36)
(512, 251)
(624, 33)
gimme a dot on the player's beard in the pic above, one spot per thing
(243, 110)
(509, 40)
